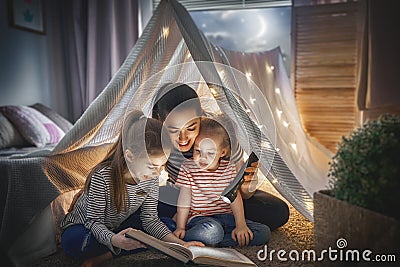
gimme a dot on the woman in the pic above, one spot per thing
(180, 110)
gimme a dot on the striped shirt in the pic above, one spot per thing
(176, 159)
(206, 187)
(96, 212)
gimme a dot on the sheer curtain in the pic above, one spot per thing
(98, 36)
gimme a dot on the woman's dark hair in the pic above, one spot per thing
(167, 100)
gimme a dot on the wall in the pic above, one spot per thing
(31, 65)
(384, 87)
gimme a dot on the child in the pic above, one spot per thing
(126, 180)
(201, 214)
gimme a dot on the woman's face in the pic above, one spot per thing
(183, 126)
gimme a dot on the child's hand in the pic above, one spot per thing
(193, 243)
(119, 240)
(242, 234)
(180, 233)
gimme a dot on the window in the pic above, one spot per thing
(248, 30)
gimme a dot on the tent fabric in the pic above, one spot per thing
(252, 88)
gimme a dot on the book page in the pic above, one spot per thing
(175, 250)
(219, 256)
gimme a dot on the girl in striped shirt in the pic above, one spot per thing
(201, 214)
(126, 180)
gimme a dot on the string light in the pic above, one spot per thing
(213, 91)
(252, 100)
(266, 144)
(294, 146)
(279, 113)
(277, 91)
(248, 75)
(285, 124)
(165, 32)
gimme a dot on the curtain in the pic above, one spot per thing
(98, 36)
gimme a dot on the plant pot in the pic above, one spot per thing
(346, 228)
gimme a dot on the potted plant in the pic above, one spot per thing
(360, 209)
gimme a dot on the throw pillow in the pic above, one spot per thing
(36, 128)
(62, 122)
(9, 135)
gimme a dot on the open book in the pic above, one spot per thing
(197, 255)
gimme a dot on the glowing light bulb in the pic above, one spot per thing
(213, 91)
(265, 144)
(272, 67)
(277, 149)
(277, 91)
(248, 110)
(188, 56)
(252, 100)
(165, 32)
(248, 75)
(294, 146)
(285, 124)
(279, 113)
(260, 126)
(275, 181)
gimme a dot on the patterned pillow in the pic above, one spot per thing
(63, 123)
(9, 135)
(36, 128)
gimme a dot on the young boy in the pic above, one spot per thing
(201, 214)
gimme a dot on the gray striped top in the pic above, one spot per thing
(95, 211)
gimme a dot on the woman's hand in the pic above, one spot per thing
(180, 233)
(121, 241)
(250, 181)
(76, 196)
(242, 234)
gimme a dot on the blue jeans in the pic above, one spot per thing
(262, 207)
(216, 230)
(79, 243)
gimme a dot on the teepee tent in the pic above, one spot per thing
(172, 49)
(252, 88)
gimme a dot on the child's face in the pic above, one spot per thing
(183, 127)
(146, 167)
(207, 152)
